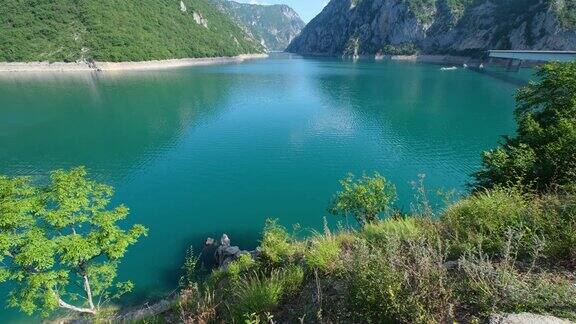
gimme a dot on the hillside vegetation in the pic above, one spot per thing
(117, 30)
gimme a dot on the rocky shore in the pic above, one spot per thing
(455, 60)
(85, 66)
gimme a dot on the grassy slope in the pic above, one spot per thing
(498, 251)
(115, 30)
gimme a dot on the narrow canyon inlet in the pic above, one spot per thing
(201, 151)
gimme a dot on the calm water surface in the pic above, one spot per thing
(204, 150)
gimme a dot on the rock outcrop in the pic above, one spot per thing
(526, 318)
(458, 27)
(274, 26)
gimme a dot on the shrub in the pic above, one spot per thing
(276, 244)
(403, 281)
(323, 253)
(543, 154)
(556, 218)
(484, 219)
(486, 287)
(364, 199)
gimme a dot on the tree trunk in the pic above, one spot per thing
(88, 291)
(64, 304)
(91, 310)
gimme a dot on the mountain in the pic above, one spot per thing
(273, 25)
(117, 30)
(460, 27)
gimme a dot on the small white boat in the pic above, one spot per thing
(448, 68)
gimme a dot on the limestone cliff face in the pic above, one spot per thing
(274, 26)
(460, 27)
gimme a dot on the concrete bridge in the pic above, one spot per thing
(541, 56)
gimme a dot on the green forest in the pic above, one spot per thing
(116, 30)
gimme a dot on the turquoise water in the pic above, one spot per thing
(204, 150)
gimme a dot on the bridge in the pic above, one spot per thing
(541, 56)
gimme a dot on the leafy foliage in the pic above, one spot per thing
(423, 10)
(364, 199)
(116, 30)
(54, 236)
(543, 154)
(189, 276)
(567, 14)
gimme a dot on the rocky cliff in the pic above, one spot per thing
(274, 26)
(459, 27)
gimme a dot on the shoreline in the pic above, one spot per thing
(461, 60)
(96, 66)
(439, 59)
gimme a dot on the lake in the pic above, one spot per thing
(200, 151)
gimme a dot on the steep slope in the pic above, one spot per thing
(273, 25)
(464, 27)
(117, 30)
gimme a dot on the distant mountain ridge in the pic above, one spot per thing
(274, 26)
(117, 30)
(459, 27)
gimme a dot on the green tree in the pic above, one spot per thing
(543, 154)
(60, 244)
(363, 198)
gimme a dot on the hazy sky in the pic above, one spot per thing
(307, 9)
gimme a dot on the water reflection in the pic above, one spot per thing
(404, 119)
(111, 123)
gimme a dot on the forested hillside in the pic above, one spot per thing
(117, 30)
